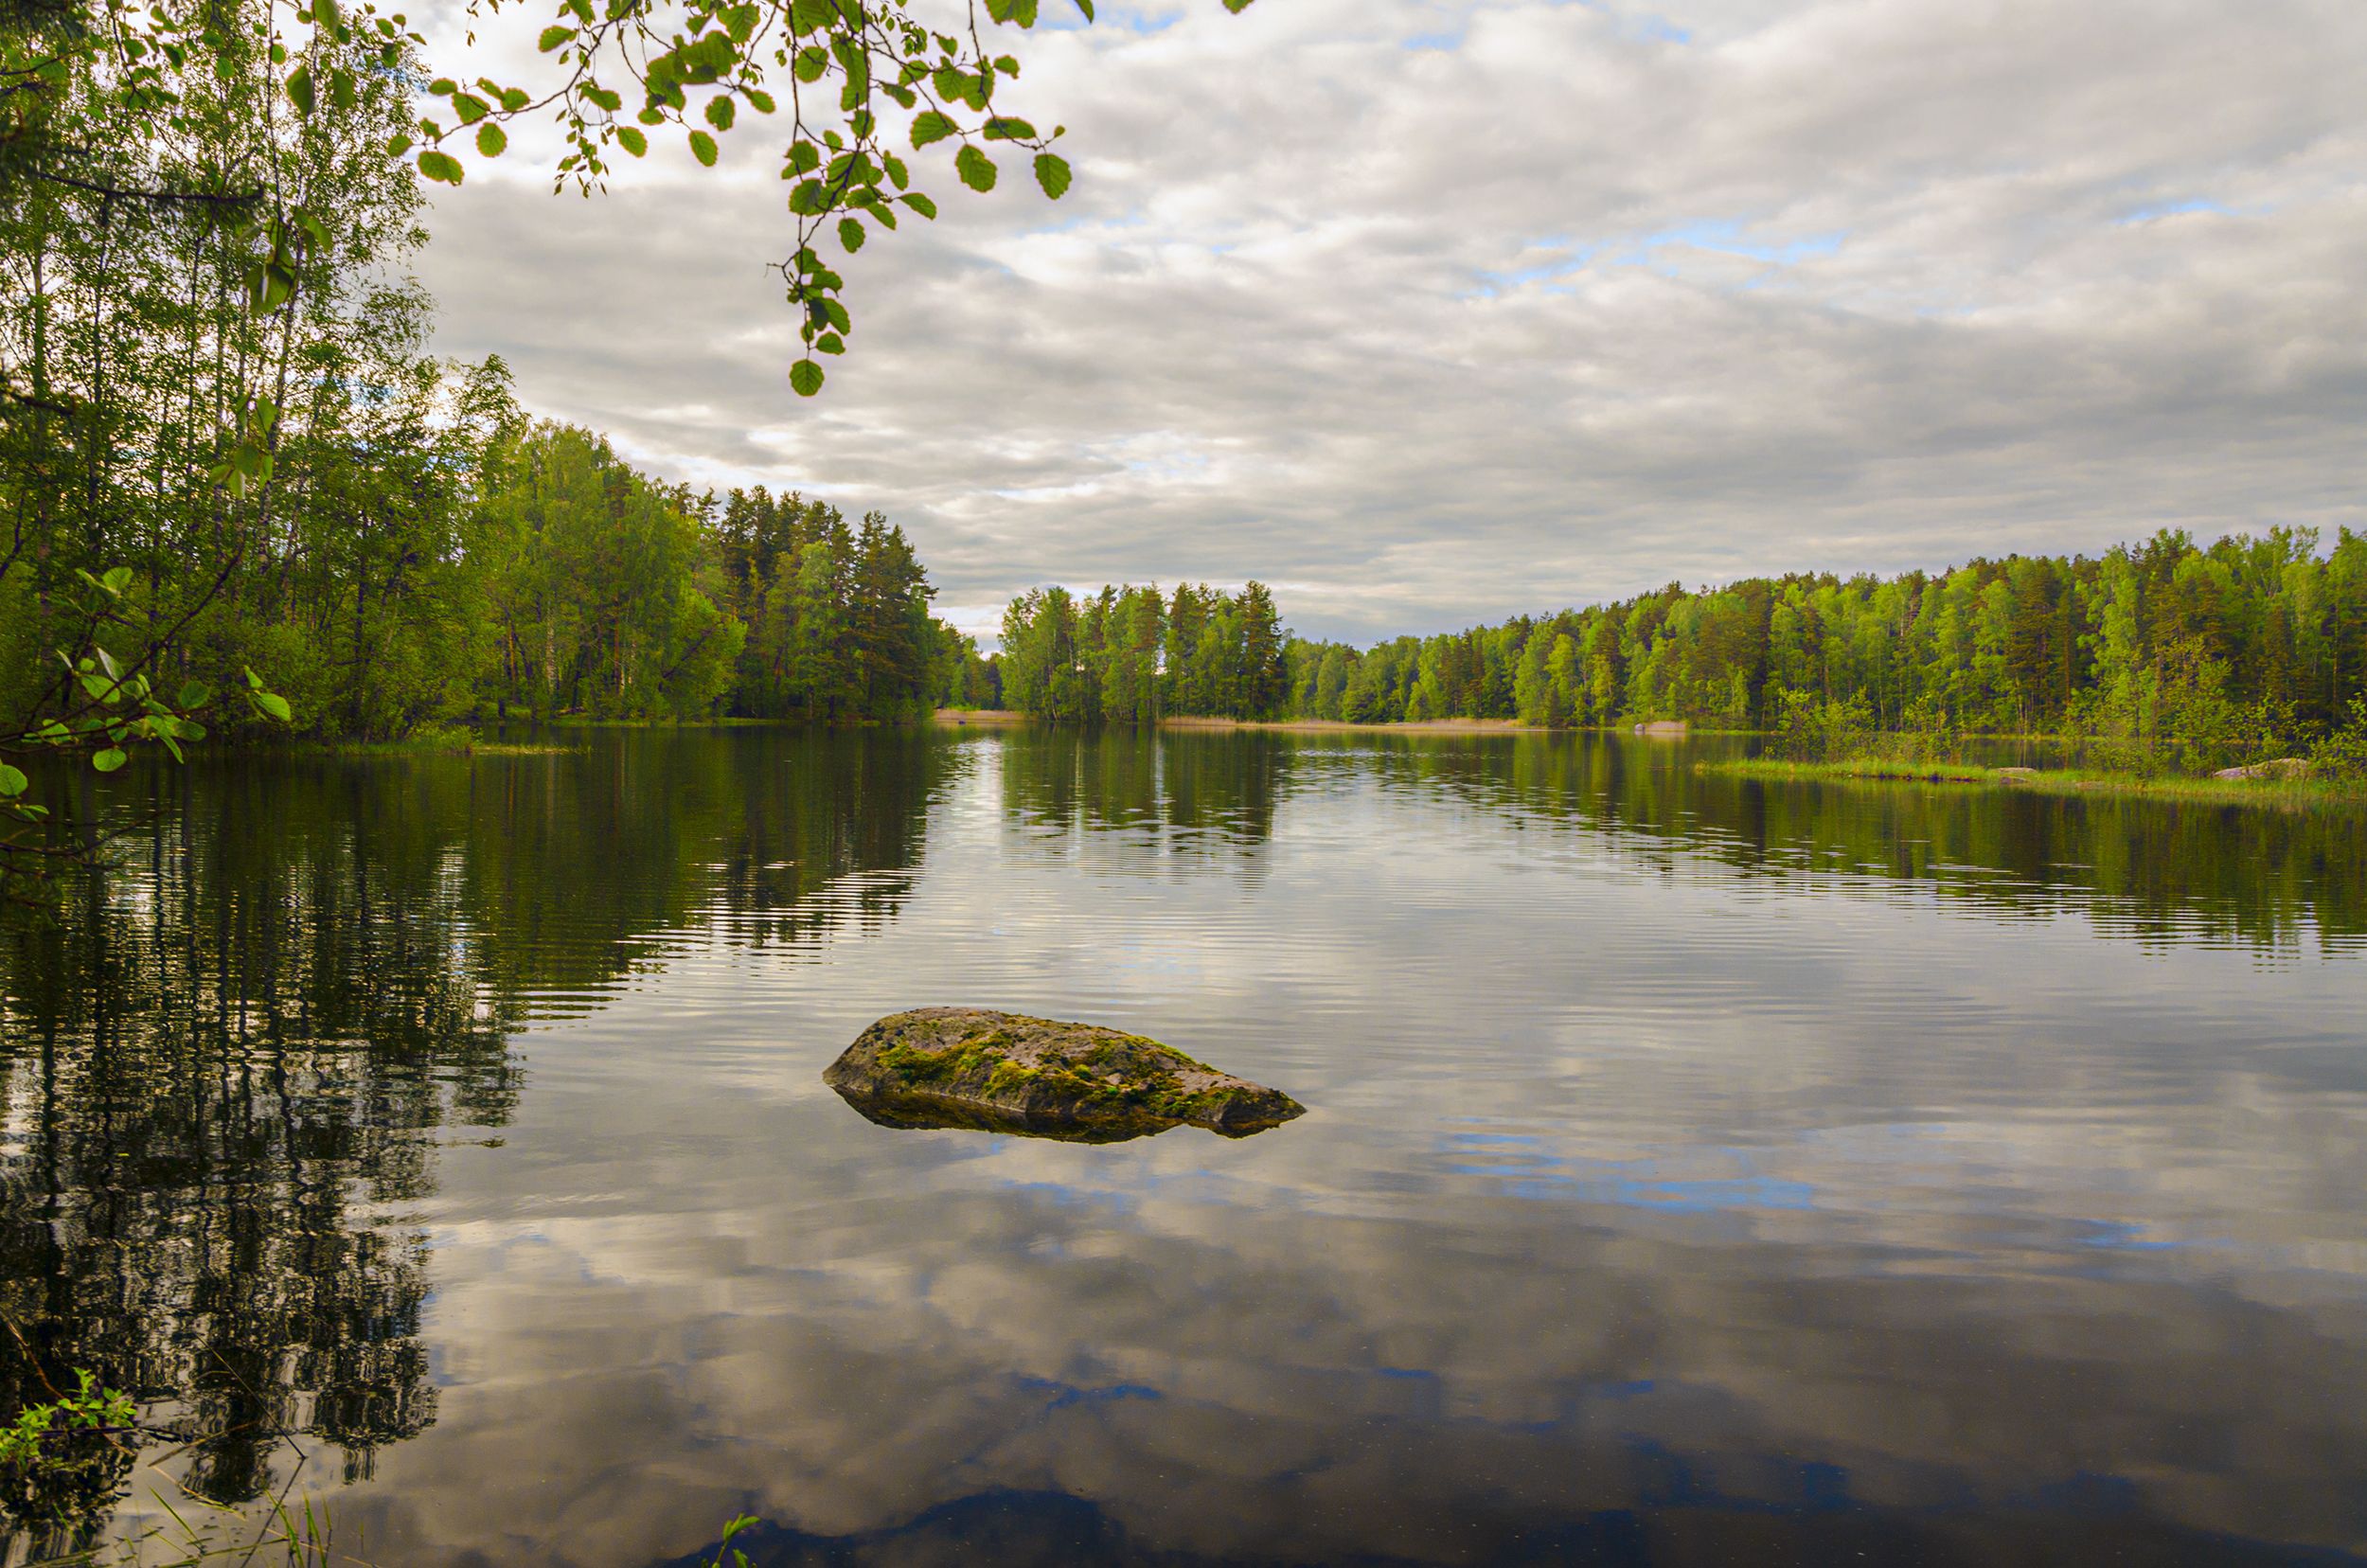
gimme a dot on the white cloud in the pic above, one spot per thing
(1564, 302)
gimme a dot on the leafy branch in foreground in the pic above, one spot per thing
(107, 708)
(844, 66)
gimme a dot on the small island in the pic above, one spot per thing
(1004, 1071)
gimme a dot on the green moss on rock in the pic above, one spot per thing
(1041, 1075)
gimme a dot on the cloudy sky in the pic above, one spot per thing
(1428, 311)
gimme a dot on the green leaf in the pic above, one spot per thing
(919, 204)
(397, 145)
(491, 139)
(11, 781)
(110, 759)
(1002, 129)
(830, 343)
(300, 89)
(932, 127)
(116, 579)
(269, 285)
(805, 378)
(274, 704)
(195, 695)
(1087, 7)
(702, 148)
(721, 112)
(553, 37)
(440, 166)
(469, 107)
(1237, 6)
(977, 169)
(850, 234)
(1052, 173)
(632, 140)
(760, 101)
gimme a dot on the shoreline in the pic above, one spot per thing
(2060, 782)
(1012, 719)
(981, 717)
(1403, 726)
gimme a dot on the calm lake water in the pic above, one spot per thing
(1696, 1171)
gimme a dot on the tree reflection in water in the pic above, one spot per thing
(228, 1059)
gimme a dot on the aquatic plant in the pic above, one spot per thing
(738, 1558)
(59, 1462)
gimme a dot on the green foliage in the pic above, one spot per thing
(2341, 754)
(61, 1461)
(737, 1558)
(1126, 656)
(838, 616)
(1814, 729)
(844, 68)
(229, 463)
(2163, 656)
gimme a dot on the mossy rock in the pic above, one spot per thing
(1002, 1072)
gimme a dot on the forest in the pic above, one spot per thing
(2251, 643)
(1126, 655)
(229, 461)
(306, 503)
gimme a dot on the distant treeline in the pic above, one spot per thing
(2254, 636)
(2257, 636)
(1129, 656)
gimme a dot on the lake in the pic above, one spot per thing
(1696, 1171)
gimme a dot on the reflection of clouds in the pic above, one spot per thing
(1625, 1188)
(1226, 1375)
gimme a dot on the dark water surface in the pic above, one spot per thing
(1696, 1173)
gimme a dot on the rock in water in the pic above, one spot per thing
(967, 1067)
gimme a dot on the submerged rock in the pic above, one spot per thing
(1002, 1072)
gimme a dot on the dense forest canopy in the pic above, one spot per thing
(1127, 656)
(416, 550)
(2251, 642)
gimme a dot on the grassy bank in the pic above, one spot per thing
(430, 743)
(1404, 726)
(1006, 718)
(981, 717)
(2053, 781)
